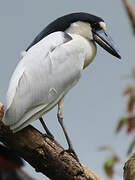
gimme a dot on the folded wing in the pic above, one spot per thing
(45, 74)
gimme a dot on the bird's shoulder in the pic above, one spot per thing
(51, 41)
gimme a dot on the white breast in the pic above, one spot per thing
(89, 48)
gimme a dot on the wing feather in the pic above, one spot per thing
(43, 76)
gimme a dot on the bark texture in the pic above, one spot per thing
(44, 154)
(129, 168)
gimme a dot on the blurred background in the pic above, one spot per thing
(94, 106)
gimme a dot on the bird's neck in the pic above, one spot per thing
(88, 47)
(90, 50)
(82, 31)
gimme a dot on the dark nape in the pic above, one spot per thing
(62, 23)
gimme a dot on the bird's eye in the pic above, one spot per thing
(96, 26)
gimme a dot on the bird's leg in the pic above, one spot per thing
(45, 128)
(60, 119)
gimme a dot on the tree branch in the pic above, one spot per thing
(44, 154)
(131, 13)
(129, 168)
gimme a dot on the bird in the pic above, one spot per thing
(10, 165)
(51, 65)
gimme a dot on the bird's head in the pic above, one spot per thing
(84, 24)
(92, 28)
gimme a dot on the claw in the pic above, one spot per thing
(49, 136)
(72, 153)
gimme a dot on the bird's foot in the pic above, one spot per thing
(72, 153)
(50, 136)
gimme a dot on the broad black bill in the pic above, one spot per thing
(106, 42)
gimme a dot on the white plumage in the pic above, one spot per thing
(51, 66)
(44, 75)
